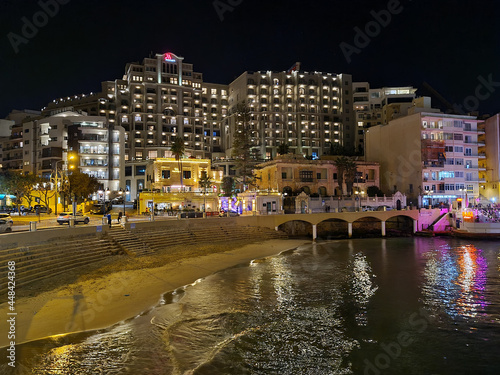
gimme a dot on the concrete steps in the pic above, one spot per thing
(163, 238)
(38, 262)
(131, 244)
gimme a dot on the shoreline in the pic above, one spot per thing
(102, 302)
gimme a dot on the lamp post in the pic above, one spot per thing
(429, 196)
(123, 192)
(56, 183)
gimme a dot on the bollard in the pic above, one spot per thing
(71, 222)
(32, 226)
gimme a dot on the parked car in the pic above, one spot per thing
(64, 218)
(367, 208)
(41, 209)
(101, 208)
(381, 208)
(5, 216)
(223, 213)
(117, 200)
(6, 224)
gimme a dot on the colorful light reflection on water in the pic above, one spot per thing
(455, 280)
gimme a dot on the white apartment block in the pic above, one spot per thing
(429, 156)
(70, 140)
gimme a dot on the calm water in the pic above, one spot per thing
(371, 306)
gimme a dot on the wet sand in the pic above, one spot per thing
(101, 301)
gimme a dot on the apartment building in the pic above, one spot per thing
(427, 155)
(378, 106)
(70, 140)
(308, 111)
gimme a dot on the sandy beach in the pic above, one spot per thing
(121, 291)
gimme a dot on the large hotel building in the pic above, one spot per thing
(163, 98)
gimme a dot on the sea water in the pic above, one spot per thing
(370, 306)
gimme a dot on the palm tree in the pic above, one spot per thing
(205, 183)
(283, 149)
(350, 174)
(177, 149)
(340, 163)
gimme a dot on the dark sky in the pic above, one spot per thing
(448, 44)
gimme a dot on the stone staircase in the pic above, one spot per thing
(131, 244)
(40, 261)
(162, 238)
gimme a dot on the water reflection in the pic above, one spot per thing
(318, 310)
(362, 287)
(455, 281)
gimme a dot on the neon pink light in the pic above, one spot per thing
(169, 57)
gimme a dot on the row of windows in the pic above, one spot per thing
(453, 187)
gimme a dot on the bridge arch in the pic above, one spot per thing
(332, 228)
(400, 225)
(297, 228)
(367, 226)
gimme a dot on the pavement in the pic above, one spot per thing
(48, 221)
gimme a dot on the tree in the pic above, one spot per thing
(373, 191)
(30, 182)
(177, 149)
(228, 188)
(350, 170)
(283, 149)
(340, 163)
(22, 186)
(81, 185)
(241, 148)
(45, 190)
(205, 183)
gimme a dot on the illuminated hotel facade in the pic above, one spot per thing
(308, 111)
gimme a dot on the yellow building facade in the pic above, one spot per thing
(166, 190)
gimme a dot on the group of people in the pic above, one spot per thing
(488, 215)
(108, 216)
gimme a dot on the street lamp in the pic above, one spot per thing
(428, 193)
(56, 183)
(123, 193)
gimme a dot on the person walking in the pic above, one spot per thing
(120, 217)
(109, 220)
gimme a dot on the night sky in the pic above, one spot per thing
(448, 44)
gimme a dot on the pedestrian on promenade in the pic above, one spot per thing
(119, 217)
(109, 220)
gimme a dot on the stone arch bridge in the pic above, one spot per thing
(274, 221)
